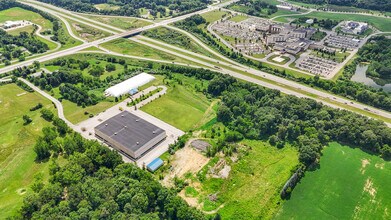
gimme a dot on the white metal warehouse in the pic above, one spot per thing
(129, 84)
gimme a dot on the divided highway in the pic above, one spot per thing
(227, 66)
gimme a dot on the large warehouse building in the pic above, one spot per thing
(129, 85)
(129, 134)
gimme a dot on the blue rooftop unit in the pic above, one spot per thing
(155, 164)
(133, 91)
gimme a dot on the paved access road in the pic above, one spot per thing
(281, 83)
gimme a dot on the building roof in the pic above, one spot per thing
(129, 84)
(155, 164)
(129, 130)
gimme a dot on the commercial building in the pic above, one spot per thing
(354, 27)
(130, 134)
(129, 85)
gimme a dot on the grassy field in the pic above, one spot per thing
(17, 166)
(182, 106)
(350, 184)
(86, 32)
(252, 189)
(17, 14)
(178, 39)
(106, 7)
(238, 18)
(120, 22)
(214, 16)
(125, 46)
(383, 24)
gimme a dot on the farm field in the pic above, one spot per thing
(350, 184)
(383, 24)
(126, 23)
(17, 165)
(252, 189)
(182, 106)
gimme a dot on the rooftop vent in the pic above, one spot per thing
(115, 133)
(125, 126)
(137, 119)
(122, 115)
(106, 124)
(137, 143)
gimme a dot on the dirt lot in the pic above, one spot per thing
(185, 160)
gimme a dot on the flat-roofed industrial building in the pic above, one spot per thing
(130, 134)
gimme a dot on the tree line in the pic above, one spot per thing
(94, 183)
(131, 7)
(380, 5)
(377, 52)
(342, 86)
(254, 7)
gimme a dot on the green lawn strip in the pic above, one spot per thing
(128, 47)
(92, 48)
(253, 186)
(182, 106)
(126, 23)
(17, 165)
(323, 194)
(214, 16)
(238, 18)
(357, 110)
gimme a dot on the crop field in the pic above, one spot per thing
(350, 184)
(17, 14)
(182, 106)
(383, 24)
(252, 189)
(17, 165)
(120, 22)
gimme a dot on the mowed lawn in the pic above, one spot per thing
(128, 47)
(17, 14)
(126, 23)
(350, 184)
(181, 107)
(17, 166)
(252, 190)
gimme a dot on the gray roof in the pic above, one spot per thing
(129, 130)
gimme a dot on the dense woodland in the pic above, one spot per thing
(256, 112)
(380, 5)
(342, 86)
(12, 46)
(254, 7)
(131, 7)
(378, 53)
(73, 84)
(94, 183)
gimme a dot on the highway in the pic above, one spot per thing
(228, 66)
(282, 84)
